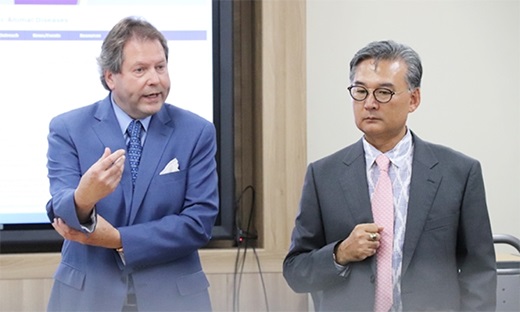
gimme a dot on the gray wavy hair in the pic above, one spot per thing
(390, 50)
(111, 57)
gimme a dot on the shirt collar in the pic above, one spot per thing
(398, 155)
(124, 120)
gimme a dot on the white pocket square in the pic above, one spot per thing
(172, 166)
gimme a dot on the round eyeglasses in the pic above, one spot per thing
(382, 95)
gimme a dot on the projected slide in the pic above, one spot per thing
(49, 50)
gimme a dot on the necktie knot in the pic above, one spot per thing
(134, 129)
(383, 162)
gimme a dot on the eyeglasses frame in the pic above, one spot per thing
(392, 93)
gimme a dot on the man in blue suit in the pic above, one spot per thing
(132, 245)
(438, 239)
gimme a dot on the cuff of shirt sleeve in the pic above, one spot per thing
(343, 270)
(90, 225)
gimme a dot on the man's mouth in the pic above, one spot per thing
(152, 95)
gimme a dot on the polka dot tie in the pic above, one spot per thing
(383, 211)
(134, 147)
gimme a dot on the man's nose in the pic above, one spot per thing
(153, 77)
(371, 102)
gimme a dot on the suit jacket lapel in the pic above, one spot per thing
(354, 183)
(157, 138)
(109, 133)
(353, 180)
(107, 128)
(424, 183)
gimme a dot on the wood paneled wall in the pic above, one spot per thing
(277, 124)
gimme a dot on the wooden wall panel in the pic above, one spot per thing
(32, 294)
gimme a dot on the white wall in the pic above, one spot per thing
(470, 90)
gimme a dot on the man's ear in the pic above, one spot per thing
(415, 100)
(109, 79)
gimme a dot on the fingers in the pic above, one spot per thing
(109, 160)
(67, 232)
(101, 179)
(362, 243)
(106, 152)
(373, 232)
(56, 226)
(370, 239)
(60, 226)
(105, 234)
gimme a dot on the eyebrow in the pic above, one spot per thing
(383, 85)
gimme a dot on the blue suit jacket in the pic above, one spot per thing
(448, 253)
(162, 224)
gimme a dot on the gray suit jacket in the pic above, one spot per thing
(448, 253)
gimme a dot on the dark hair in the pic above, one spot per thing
(390, 50)
(111, 57)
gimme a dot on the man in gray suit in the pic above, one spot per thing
(442, 252)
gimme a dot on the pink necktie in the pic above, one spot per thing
(383, 211)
